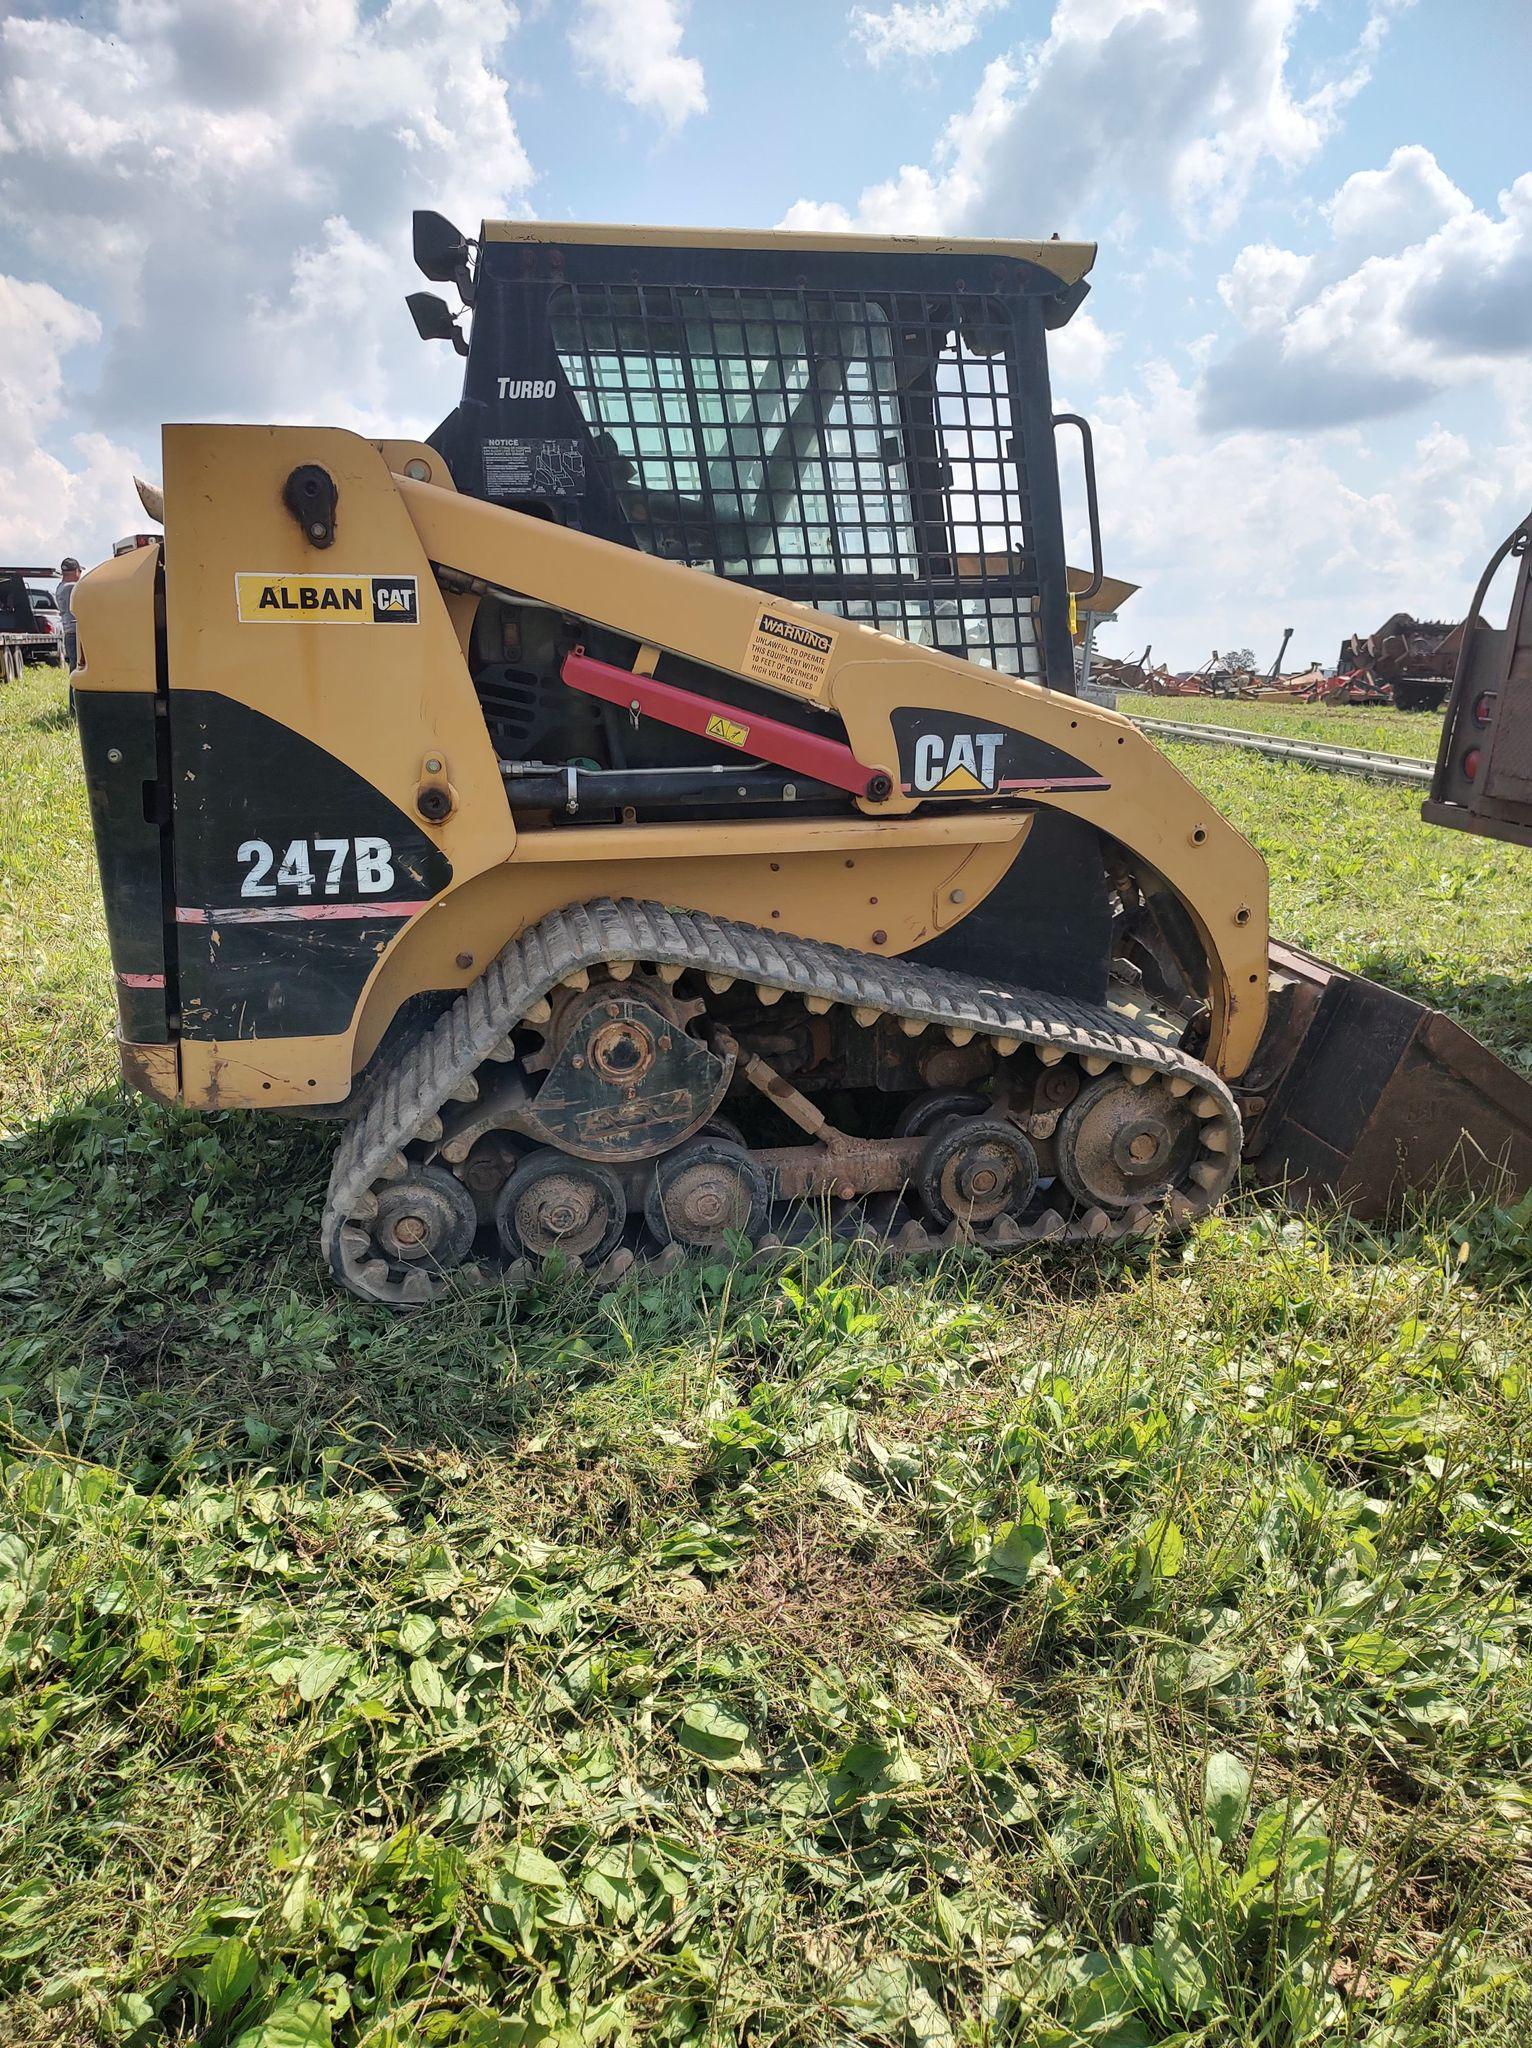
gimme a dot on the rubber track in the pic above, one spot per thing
(404, 1106)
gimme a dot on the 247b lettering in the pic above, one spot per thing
(317, 866)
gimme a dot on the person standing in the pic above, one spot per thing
(69, 576)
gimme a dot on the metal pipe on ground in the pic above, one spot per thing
(1314, 753)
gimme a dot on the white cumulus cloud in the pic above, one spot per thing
(222, 194)
(1078, 355)
(1180, 99)
(1417, 292)
(1236, 535)
(633, 47)
(45, 501)
(1378, 213)
(1263, 284)
(919, 29)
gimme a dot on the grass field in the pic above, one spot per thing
(1356, 877)
(1069, 1655)
(1341, 725)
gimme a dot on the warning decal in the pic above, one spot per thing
(726, 730)
(788, 655)
(262, 599)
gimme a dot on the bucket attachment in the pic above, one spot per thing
(1360, 1094)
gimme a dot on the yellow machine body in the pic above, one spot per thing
(394, 702)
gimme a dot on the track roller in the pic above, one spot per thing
(705, 1190)
(975, 1170)
(556, 1203)
(1120, 1146)
(426, 1218)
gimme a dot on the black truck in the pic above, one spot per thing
(30, 626)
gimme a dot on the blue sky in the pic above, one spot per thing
(1308, 351)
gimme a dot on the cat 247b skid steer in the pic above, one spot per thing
(658, 807)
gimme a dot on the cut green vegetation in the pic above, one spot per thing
(56, 1022)
(1371, 728)
(1073, 1654)
(1357, 878)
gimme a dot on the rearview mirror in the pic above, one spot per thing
(433, 320)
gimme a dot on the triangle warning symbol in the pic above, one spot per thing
(962, 781)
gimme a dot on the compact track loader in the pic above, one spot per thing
(659, 808)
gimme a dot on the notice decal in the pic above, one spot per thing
(540, 467)
(263, 599)
(788, 655)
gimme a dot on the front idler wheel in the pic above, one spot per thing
(1121, 1146)
(704, 1191)
(975, 1171)
(426, 1219)
(553, 1203)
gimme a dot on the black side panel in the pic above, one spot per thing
(943, 753)
(1048, 922)
(117, 741)
(292, 874)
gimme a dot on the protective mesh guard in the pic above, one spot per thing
(854, 451)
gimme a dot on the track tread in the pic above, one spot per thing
(586, 935)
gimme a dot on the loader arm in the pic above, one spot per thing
(890, 695)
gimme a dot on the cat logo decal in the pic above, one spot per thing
(963, 764)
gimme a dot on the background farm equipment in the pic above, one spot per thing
(1408, 663)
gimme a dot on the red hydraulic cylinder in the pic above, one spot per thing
(764, 739)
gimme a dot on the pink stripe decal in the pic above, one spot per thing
(301, 913)
(142, 980)
(1051, 782)
(1063, 782)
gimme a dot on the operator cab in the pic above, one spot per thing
(858, 423)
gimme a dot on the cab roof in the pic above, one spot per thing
(1068, 261)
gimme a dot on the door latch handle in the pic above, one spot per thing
(1088, 454)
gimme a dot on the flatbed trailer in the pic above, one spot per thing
(17, 649)
(21, 640)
